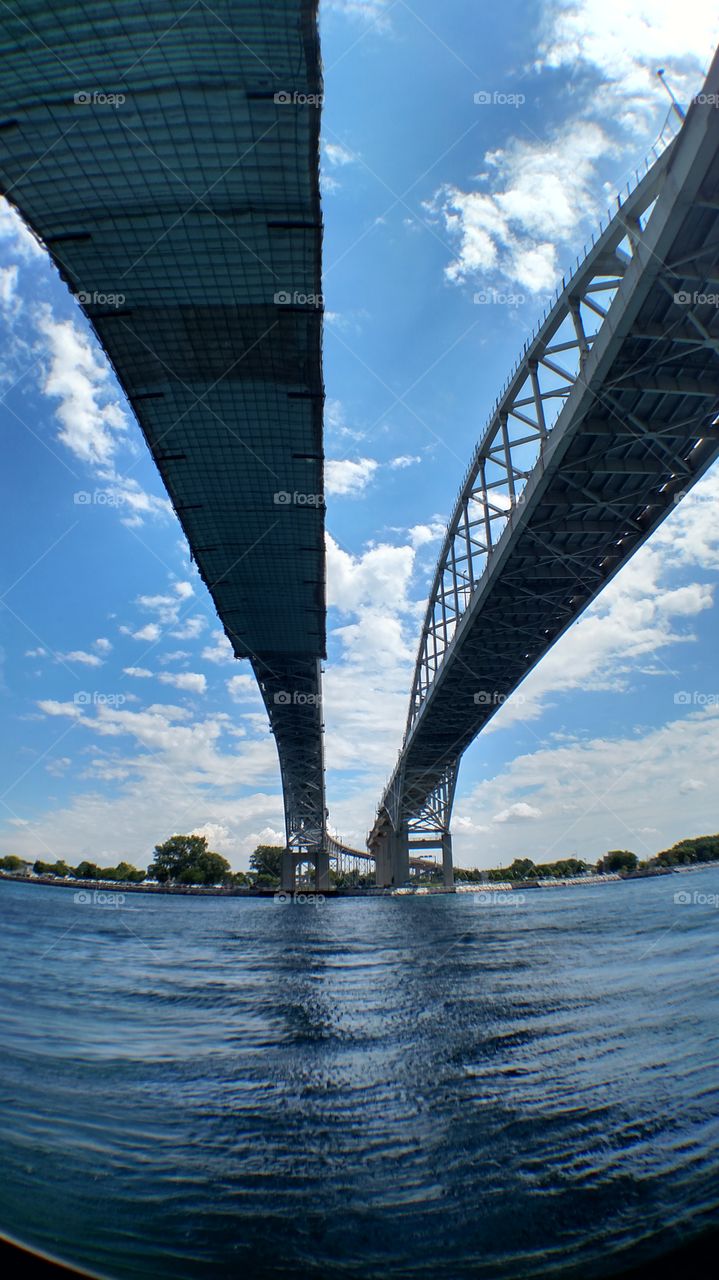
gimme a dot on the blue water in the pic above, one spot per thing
(389, 1087)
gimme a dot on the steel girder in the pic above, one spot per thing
(608, 418)
(169, 162)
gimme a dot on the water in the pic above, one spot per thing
(391, 1087)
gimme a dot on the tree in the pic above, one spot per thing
(266, 862)
(521, 869)
(11, 863)
(125, 872)
(618, 860)
(187, 860)
(88, 871)
(236, 879)
(58, 868)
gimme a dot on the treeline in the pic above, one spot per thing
(124, 871)
(187, 860)
(684, 853)
(525, 869)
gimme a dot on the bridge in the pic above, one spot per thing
(169, 156)
(607, 419)
(168, 161)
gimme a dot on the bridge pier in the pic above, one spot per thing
(399, 855)
(293, 858)
(382, 872)
(391, 858)
(322, 870)
(288, 871)
(447, 864)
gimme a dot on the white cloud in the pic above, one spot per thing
(542, 193)
(690, 785)
(89, 414)
(102, 644)
(403, 461)
(624, 41)
(519, 812)
(150, 632)
(599, 794)
(137, 673)
(379, 578)
(15, 236)
(243, 687)
(372, 12)
(537, 198)
(174, 776)
(128, 497)
(337, 155)
(8, 286)
(79, 655)
(191, 629)
(421, 534)
(343, 476)
(190, 681)
(52, 707)
(220, 651)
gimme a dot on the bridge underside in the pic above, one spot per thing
(608, 419)
(168, 160)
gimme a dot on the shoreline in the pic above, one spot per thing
(484, 887)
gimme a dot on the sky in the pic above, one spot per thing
(466, 149)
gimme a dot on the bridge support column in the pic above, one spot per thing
(399, 855)
(382, 869)
(288, 871)
(447, 864)
(322, 870)
(291, 859)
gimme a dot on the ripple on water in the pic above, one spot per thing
(202, 1088)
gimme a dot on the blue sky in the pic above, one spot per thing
(126, 717)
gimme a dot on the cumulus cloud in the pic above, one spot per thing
(519, 812)
(597, 794)
(8, 287)
(378, 577)
(243, 687)
(190, 681)
(344, 476)
(191, 628)
(150, 632)
(169, 772)
(90, 416)
(79, 655)
(220, 650)
(536, 199)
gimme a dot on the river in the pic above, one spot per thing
(516, 1085)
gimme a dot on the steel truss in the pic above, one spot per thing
(608, 417)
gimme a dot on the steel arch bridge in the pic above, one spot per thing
(168, 155)
(608, 418)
